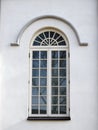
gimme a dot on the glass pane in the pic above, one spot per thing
(56, 35)
(43, 63)
(35, 91)
(60, 39)
(54, 91)
(63, 72)
(51, 34)
(34, 109)
(34, 99)
(35, 72)
(46, 34)
(54, 63)
(43, 82)
(62, 109)
(54, 81)
(43, 110)
(38, 39)
(43, 100)
(62, 81)
(43, 54)
(62, 43)
(54, 100)
(62, 54)
(62, 99)
(35, 54)
(35, 63)
(35, 81)
(54, 72)
(54, 109)
(63, 91)
(62, 63)
(36, 43)
(54, 54)
(42, 36)
(43, 91)
(43, 72)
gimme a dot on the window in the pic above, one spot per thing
(49, 75)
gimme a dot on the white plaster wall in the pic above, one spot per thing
(83, 64)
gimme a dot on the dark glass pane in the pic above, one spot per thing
(43, 63)
(35, 72)
(43, 100)
(43, 91)
(60, 39)
(54, 91)
(43, 72)
(35, 63)
(35, 54)
(42, 35)
(43, 54)
(34, 109)
(51, 34)
(56, 35)
(54, 63)
(62, 63)
(46, 34)
(36, 43)
(63, 91)
(63, 100)
(62, 109)
(54, 100)
(62, 81)
(54, 72)
(35, 91)
(54, 54)
(35, 81)
(54, 109)
(62, 72)
(54, 81)
(62, 43)
(34, 99)
(43, 110)
(38, 39)
(43, 82)
(62, 54)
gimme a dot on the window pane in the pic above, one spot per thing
(54, 81)
(63, 91)
(54, 100)
(43, 82)
(54, 91)
(62, 99)
(54, 72)
(43, 91)
(35, 72)
(43, 63)
(36, 43)
(43, 72)
(35, 81)
(54, 63)
(60, 39)
(35, 91)
(62, 43)
(62, 63)
(34, 99)
(35, 54)
(62, 54)
(54, 54)
(34, 109)
(62, 72)
(62, 109)
(43, 110)
(38, 39)
(62, 81)
(43, 100)
(35, 63)
(54, 109)
(43, 54)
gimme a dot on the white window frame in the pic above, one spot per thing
(49, 49)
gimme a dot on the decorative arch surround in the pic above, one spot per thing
(47, 17)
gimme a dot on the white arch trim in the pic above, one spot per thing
(17, 43)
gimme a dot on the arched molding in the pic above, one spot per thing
(17, 43)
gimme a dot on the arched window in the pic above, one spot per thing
(49, 75)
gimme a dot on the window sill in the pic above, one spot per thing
(48, 118)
